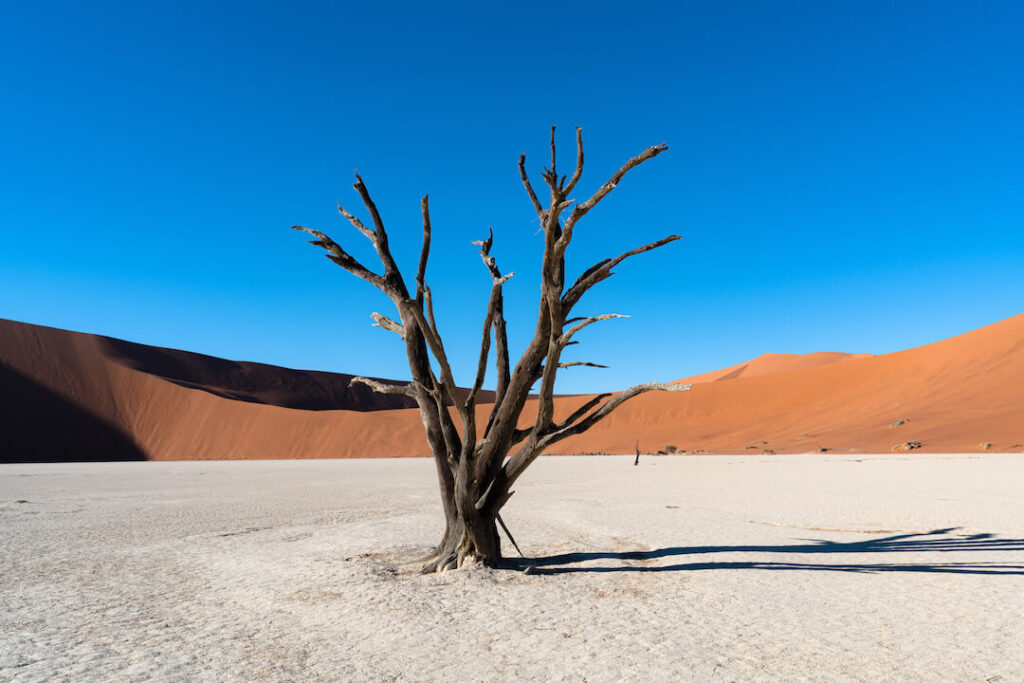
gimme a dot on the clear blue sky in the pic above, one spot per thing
(847, 176)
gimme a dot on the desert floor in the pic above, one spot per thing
(823, 567)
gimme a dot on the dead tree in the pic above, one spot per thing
(478, 464)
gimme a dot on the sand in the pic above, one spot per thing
(132, 402)
(771, 363)
(892, 567)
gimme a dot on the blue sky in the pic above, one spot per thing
(847, 176)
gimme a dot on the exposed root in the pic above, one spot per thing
(456, 559)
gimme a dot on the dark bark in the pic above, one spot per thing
(476, 471)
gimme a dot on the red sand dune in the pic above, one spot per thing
(72, 396)
(774, 362)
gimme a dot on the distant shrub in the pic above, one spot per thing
(898, 423)
(670, 449)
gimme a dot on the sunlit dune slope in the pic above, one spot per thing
(953, 395)
(774, 362)
(134, 401)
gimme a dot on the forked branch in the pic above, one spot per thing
(581, 210)
(344, 259)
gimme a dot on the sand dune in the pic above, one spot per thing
(174, 405)
(770, 363)
(952, 396)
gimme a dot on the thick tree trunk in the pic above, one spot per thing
(468, 539)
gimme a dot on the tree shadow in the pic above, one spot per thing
(935, 541)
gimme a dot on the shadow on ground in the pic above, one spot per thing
(936, 541)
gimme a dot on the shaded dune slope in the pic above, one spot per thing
(165, 404)
(251, 382)
(39, 425)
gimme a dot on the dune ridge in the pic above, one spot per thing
(769, 363)
(949, 396)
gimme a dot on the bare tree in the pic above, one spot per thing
(477, 464)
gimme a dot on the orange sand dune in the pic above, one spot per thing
(175, 405)
(774, 362)
(954, 395)
(71, 396)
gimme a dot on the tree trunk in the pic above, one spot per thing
(470, 538)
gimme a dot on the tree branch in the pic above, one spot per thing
(518, 463)
(364, 194)
(380, 237)
(554, 171)
(581, 209)
(579, 163)
(590, 420)
(518, 435)
(343, 259)
(529, 187)
(421, 271)
(602, 271)
(581, 411)
(583, 363)
(497, 322)
(383, 388)
(437, 348)
(485, 344)
(356, 222)
(568, 335)
(388, 324)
